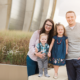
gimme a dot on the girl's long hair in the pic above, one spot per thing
(55, 29)
(51, 33)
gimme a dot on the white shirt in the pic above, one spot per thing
(72, 27)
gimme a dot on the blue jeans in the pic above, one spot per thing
(73, 69)
(32, 66)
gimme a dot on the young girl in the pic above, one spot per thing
(59, 47)
(43, 47)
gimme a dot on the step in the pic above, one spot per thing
(62, 75)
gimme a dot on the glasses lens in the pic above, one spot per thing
(48, 25)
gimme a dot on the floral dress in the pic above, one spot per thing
(58, 53)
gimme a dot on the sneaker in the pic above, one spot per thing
(46, 75)
(40, 75)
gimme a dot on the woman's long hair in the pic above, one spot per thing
(51, 33)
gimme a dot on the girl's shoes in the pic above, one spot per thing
(55, 76)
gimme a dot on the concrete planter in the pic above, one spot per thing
(13, 72)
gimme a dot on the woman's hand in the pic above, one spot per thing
(36, 50)
(40, 55)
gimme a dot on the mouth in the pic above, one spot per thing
(70, 21)
(47, 28)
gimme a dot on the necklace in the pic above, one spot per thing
(60, 41)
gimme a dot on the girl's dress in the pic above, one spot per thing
(58, 53)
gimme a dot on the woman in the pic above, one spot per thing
(48, 28)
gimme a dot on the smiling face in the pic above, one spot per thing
(43, 39)
(48, 26)
(71, 17)
(60, 30)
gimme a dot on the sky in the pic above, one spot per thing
(63, 6)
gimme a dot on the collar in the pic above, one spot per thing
(72, 27)
(42, 45)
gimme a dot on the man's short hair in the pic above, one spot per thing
(70, 12)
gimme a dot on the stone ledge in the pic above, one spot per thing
(62, 75)
(13, 72)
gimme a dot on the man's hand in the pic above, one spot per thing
(79, 58)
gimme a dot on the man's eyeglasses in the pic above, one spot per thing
(48, 25)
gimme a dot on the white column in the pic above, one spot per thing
(51, 9)
(5, 7)
(28, 14)
(37, 15)
(44, 11)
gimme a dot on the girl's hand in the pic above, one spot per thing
(66, 52)
(40, 55)
(49, 54)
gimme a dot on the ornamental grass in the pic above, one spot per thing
(14, 47)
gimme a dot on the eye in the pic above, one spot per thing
(68, 17)
(71, 16)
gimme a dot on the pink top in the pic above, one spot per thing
(33, 41)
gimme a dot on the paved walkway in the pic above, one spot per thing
(62, 75)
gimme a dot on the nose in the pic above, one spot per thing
(48, 26)
(70, 18)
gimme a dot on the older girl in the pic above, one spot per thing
(59, 47)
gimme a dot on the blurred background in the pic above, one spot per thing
(29, 15)
(18, 20)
